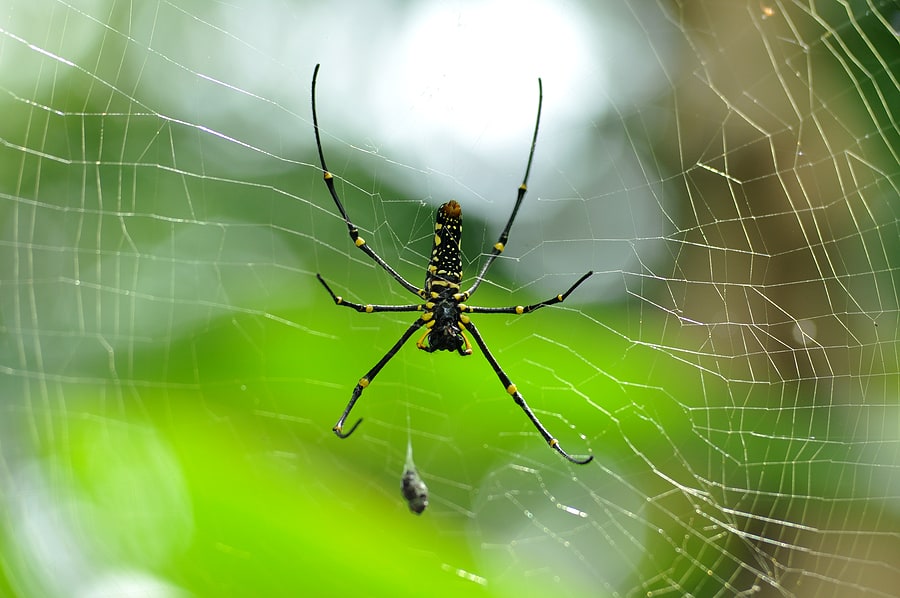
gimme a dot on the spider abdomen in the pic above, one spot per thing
(445, 266)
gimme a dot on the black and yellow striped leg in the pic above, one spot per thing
(519, 399)
(500, 245)
(526, 309)
(367, 308)
(370, 375)
(351, 228)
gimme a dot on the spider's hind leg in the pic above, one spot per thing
(370, 375)
(520, 400)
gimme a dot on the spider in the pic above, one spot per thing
(445, 313)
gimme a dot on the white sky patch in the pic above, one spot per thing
(469, 61)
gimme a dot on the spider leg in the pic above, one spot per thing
(352, 228)
(367, 308)
(370, 375)
(519, 399)
(525, 309)
(500, 245)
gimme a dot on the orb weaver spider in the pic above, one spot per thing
(445, 314)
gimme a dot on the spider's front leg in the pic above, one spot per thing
(352, 229)
(370, 375)
(500, 245)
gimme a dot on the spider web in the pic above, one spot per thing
(172, 369)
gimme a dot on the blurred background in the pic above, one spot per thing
(171, 368)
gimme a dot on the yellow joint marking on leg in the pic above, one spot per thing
(430, 324)
(364, 382)
(360, 241)
(559, 298)
(369, 309)
(339, 300)
(429, 305)
(434, 295)
(426, 317)
(554, 442)
(327, 175)
(421, 342)
(523, 187)
(461, 306)
(437, 240)
(511, 389)
(520, 310)
(499, 246)
(464, 318)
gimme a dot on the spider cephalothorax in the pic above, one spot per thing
(444, 312)
(445, 323)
